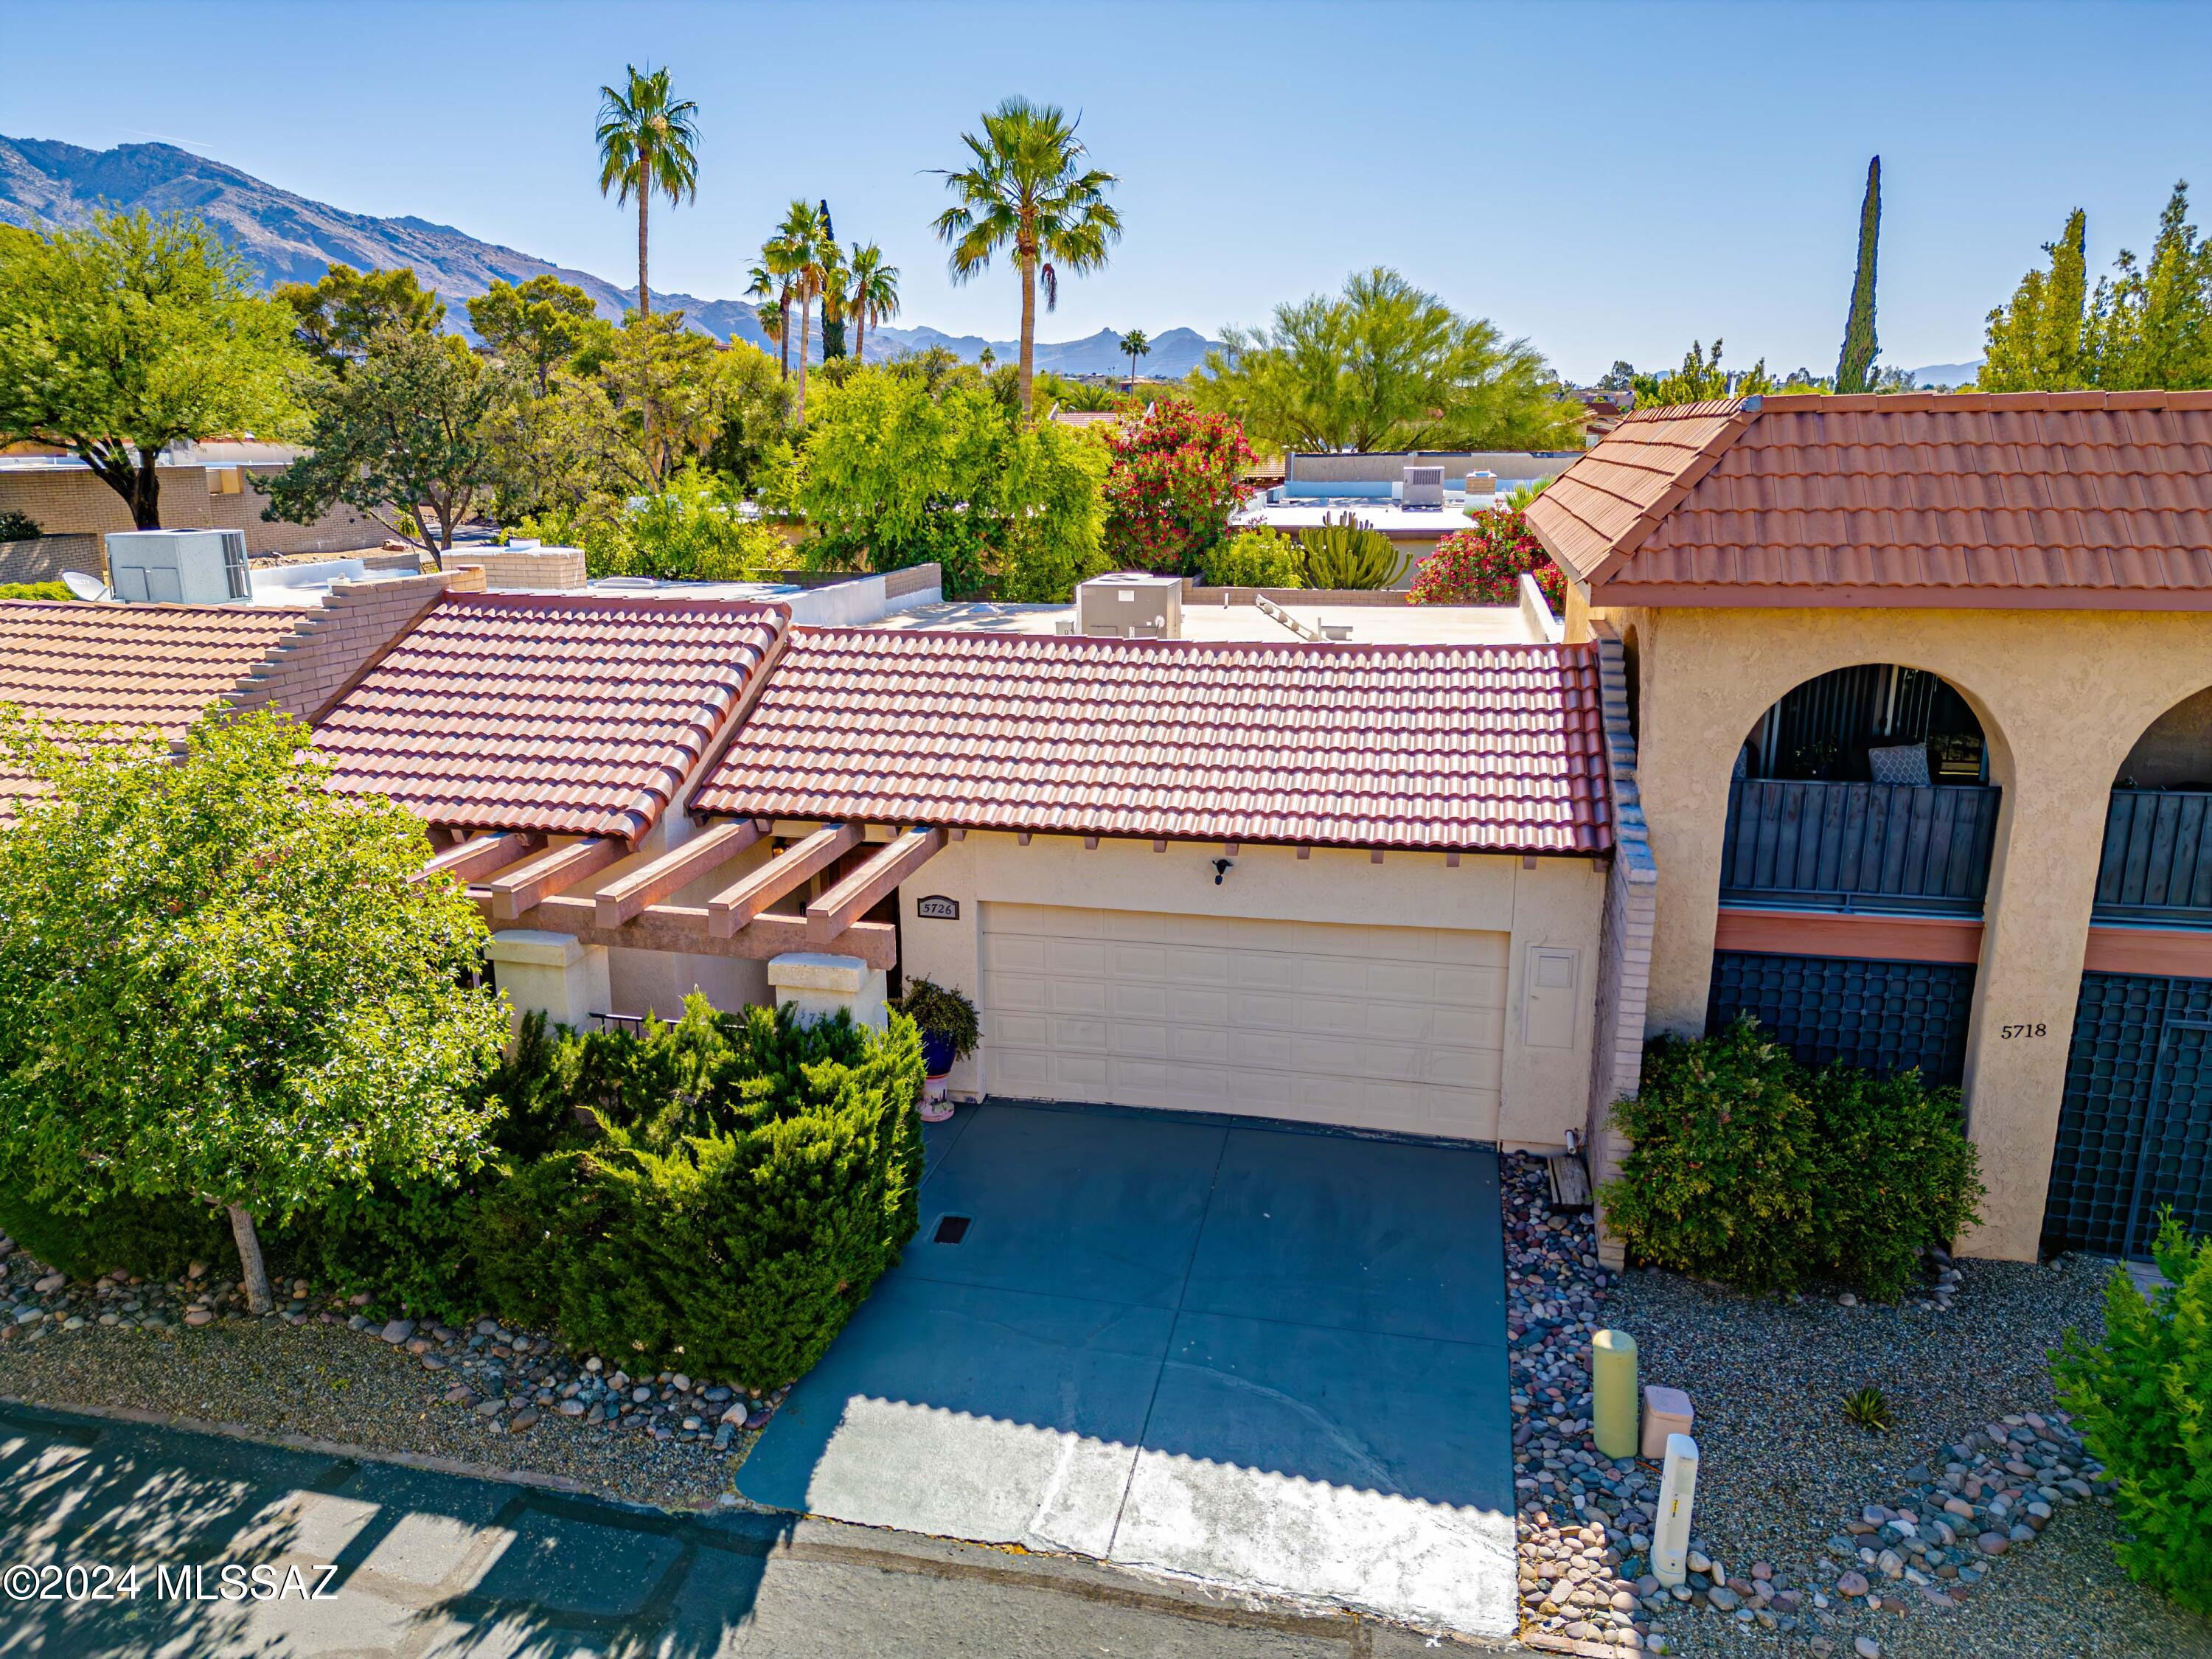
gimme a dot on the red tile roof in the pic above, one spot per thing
(130, 665)
(573, 714)
(2059, 499)
(1481, 748)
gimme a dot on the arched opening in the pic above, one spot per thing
(1875, 722)
(1860, 811)
(2135, 1127)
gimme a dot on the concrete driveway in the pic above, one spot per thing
(1257, 1356)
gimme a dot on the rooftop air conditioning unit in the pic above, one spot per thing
(1131, 604)
(179, 567)
(1423, 486)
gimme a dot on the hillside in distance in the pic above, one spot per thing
(288, 237)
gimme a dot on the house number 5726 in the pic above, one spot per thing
(2008, 1033)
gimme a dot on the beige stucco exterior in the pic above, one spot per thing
(1557, 901)
(2064, 698)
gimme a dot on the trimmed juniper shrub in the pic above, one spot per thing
(1751, 1169)
(739, 1184)
(2142, 1399)
(152, 1237)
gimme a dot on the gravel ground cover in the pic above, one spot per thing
(1815, 1536)
(319, 1366)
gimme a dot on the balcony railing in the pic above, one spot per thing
(2157, 866)
(1894, 848)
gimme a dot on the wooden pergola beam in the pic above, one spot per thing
(837, 909)
(678, 868)
(480, 855)
(683, 928)
(736, 906)
(552, 872)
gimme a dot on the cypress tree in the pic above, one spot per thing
(1855, 368)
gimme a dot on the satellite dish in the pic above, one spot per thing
(87, 587)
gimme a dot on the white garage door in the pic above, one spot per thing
(1381, 1028)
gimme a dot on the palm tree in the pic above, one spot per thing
(772, 280)
(800, 234)
(647, 141)
(1028, 191)
(1135, 344)
(875, 292)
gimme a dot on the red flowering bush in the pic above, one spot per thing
(1172, 479)
(1484, 563)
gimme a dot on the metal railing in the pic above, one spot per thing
(2157, 863)
(1909, 849)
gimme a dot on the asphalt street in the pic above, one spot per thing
(130, 1539)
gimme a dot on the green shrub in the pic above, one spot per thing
(33, 590)
(152, 1237)
(1344, 553)
(2143, 1401)
(744, 1182)
(1898, 1176)
(18, 527)
(408, 1242)
(1720, 1181)
(1256, 558)
(940, 1011)
(1749, 1169)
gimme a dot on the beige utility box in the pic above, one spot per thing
(1666, 1411)
(1130, 605)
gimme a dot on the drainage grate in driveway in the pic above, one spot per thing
(951, 1230)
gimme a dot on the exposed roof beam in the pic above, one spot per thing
(683, 928)
(845, 903)
(623, 900)
(554, 871)
(735, 906)
(480, 855)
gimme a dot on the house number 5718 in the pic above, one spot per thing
(2008, 1033)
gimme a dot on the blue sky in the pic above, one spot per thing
(1609, 180)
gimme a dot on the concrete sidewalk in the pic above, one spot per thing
(440, 1564)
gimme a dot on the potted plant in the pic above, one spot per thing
(946, 1019)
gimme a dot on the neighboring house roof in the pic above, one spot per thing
(569, 713)
(2051, 500)
(131, 665)
(1468, 748)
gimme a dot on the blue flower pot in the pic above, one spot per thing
(936, 1054)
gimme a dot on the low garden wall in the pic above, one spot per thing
(43, 558)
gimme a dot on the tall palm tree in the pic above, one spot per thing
(646, 143)
(800, 233)
(1028, 191)
(774, 278)
(1135, 344)
(875, 295)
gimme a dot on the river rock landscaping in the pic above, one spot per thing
(482, 1393)
(1811, 1535)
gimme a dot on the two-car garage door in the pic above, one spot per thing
(1380, 1027)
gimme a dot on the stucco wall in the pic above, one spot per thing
(70, 500)
(1545, 1092)
(2062, 696)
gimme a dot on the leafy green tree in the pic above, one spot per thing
(2148, 325)
(1381, 366)
(409, 426)
(1854, 366)
(751, 408)
(660, 384)
(539, 327)
(222, 981)
(1622, 377)
(1132, 345)
(339, 311)
(1174, 476)
(131, 334)
(1701, 379)
(894, 471)
(2039, 339)
(875, 292)
(1027, 193)
(648, 141)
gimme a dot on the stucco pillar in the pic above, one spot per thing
(2035, 934)
(552, 974)
(818, 985)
